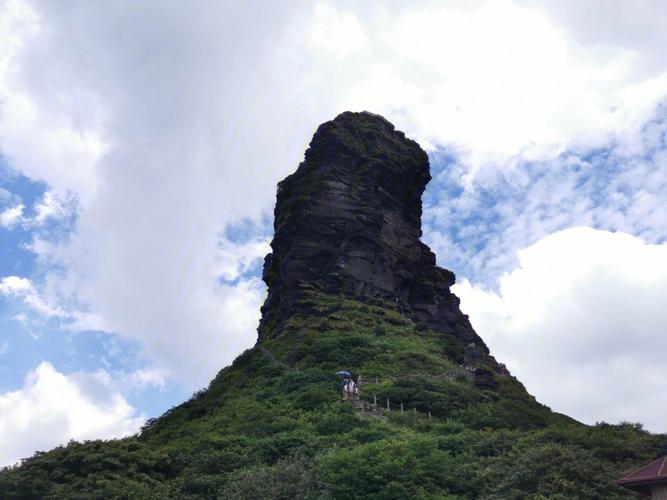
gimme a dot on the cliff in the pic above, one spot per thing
(348, 222)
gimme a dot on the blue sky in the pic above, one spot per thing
(28, 339)
(141, 147)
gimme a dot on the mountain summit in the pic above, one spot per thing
(351, 289)
(348, 221)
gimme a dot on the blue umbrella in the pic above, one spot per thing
(343, 373)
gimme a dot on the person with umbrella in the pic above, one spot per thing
(347, 378)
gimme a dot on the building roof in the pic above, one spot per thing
(643, 478)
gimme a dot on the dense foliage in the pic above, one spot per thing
(272, 425)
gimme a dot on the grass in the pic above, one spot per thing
(272, 425)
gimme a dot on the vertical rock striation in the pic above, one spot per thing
(348, 221)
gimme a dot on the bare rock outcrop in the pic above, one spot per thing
(348, 221)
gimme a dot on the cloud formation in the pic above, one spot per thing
(156, 184)
(477, 227)
(52, 408)
(11, 216)
(580, 321)
(23, 289)
(499, 82)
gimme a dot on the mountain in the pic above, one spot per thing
(352, 287)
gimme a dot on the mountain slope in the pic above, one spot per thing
(352, 287)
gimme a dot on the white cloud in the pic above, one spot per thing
(497, 80)
(14, 285)
(146, 256)
(40, 307)
(615, 26)
(147, 377)
(52, 408)
(580, 322)
(22, 288)
(236, 259)
(11, 216)
(60, 147)
(477, 230)
(337, 32)
(49, 207)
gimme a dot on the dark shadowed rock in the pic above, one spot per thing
(348, 221)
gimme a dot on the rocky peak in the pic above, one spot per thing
(348, 221)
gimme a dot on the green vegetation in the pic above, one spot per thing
(272, 425)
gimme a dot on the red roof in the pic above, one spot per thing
(641, 479)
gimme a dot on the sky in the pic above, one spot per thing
(141, 143)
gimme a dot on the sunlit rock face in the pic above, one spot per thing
(348, 221)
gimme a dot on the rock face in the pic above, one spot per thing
(348, 221)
